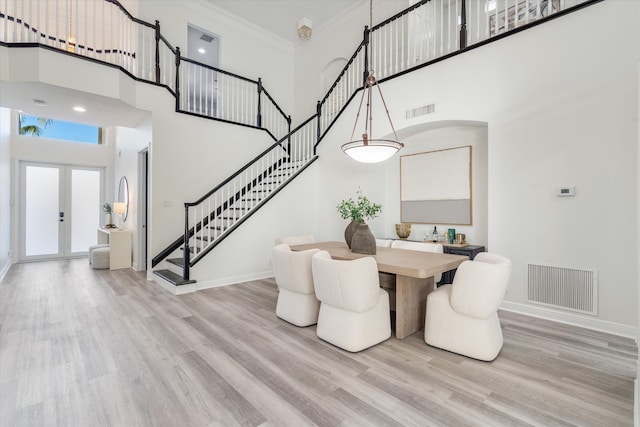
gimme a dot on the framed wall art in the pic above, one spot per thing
(435, 187)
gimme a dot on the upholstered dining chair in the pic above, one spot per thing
(295, 240)
(420, 246)
(297, 303)
(384, 243)
(463, 317)
(354, 310)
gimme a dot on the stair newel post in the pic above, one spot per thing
(177, 79)
(259, 117)
(318, 130)
(186, 253)
(365, 73)
(463, 25)
(157, 28)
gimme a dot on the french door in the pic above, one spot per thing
(59, 210)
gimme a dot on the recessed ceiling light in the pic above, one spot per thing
(201, 50)
(39, 102)
(79, 109)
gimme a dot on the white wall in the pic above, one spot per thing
(560, 101)
(336, 39)
(5, 190)
(128, 142)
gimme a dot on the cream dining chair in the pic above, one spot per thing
(297, 303)
(421, 246)
(463, 317)
(354, 310)
(295, 240)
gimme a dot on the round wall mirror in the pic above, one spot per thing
(123, 196)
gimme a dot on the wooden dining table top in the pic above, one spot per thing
(404, 262)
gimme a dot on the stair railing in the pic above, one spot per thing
(211, 218)
(104, 31)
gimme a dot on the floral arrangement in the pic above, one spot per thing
(360, 209)
(107, 208)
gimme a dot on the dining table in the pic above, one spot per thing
(407, 273)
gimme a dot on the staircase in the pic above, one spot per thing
(213, 217)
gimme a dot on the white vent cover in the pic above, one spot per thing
(566, 288)
(420, 111)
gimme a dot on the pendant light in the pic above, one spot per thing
(369, 149)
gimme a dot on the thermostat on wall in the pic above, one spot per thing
(565, 191)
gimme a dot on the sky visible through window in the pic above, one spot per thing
(66, 131)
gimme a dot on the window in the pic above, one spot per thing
(57, 129)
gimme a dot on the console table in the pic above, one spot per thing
(119, 241)
(469, 251)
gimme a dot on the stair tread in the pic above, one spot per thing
(176, 261)
(173, 278)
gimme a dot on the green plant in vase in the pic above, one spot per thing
(357, 231)
(108, 209)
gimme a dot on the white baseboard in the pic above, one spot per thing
(636, 408)
(5, 269)
(572, 319)
(207, 284)
(175, 290)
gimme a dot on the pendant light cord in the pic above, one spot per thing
(370, 37)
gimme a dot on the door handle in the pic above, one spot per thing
(61, 216)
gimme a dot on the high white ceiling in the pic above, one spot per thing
(280, 17)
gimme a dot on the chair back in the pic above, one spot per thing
(383, 243)
(420, 246)
(295, 240)
(293, 269)
(350, 285)
(479, 285)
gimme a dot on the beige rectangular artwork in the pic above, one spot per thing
(435, 187)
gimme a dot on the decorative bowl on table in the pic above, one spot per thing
(403, 230)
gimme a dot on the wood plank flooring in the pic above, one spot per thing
(81, 347)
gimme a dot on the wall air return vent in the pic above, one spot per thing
(566, 288)
(206, 37)
(420, 111)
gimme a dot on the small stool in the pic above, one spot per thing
(100, 245)
(100, 258)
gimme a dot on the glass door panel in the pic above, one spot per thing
(42, 210)
(84, 215)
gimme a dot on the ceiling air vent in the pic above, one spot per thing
(206, 37)
(420, 111)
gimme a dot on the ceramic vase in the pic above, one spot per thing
(348, 232)
(363, 241)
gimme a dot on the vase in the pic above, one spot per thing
(110, 224)
(363, 241)
(348, 232)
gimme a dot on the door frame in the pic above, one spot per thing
(143, 207)
(64, 243)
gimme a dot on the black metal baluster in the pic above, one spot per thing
(157, 51)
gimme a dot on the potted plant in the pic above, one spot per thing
(108, 209)
(357, 234)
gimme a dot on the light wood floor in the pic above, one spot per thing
(80, 347)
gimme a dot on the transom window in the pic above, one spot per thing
(43, 127)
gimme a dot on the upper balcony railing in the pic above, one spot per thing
(104, 31)
(426, 32)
